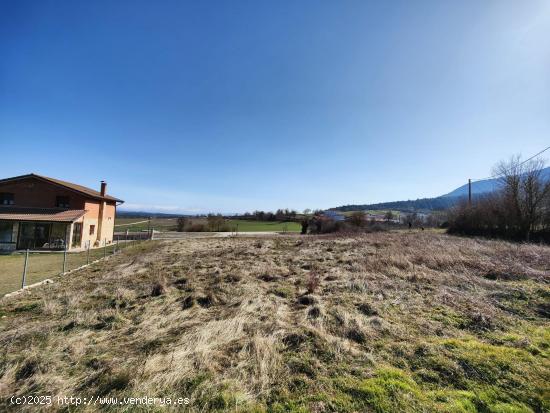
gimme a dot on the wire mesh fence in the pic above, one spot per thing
(21, 269)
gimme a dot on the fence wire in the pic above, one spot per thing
(21, 269)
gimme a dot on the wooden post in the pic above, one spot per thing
(24, 281)
(104, 247)
(64, 260)
(88, 254)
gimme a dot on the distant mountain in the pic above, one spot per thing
(424, 204)
(439, 203)
(487, 185)
(144, 214)
(478, 188)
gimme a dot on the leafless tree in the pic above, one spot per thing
(524, 194)
(215, 222)
(358, 218)
(181, 223)
(519, 209)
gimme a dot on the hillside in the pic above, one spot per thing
(438, 203)
(392, 322)
(486, 185)
(424, 204)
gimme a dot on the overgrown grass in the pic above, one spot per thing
(413, 322)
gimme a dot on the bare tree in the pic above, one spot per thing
(181, 223)
(524, 194)
(519, 209)
(358, 218)
(215, 222)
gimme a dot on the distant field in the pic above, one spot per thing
(142, 224)
(169, 224)
(253, 226)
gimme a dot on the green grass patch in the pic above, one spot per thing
(259, 226)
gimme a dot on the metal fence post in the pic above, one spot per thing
(88, 254)
(104, 247)
(115, 244)
(64, 259)
(24, 281)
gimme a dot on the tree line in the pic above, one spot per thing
(280, 215)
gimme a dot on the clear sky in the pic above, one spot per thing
(239, 105)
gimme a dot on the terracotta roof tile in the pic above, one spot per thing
(79, 188)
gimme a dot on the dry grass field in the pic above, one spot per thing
(385, 322)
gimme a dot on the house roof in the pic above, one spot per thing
(40, 214)
(74, 187)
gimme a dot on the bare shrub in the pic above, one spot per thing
(181, 224)
(307, 300)
(159, 288)
(312, 283)
(196, 228)
(358, 219)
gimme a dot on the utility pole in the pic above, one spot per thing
(469, 192)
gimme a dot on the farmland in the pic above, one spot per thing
(169, 224)
(259, 226)
(142, 224)
(381, 322)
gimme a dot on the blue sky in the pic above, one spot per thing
(239, 105)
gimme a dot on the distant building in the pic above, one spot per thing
(38, 212)
(334, 215)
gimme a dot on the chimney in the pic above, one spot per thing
(103, 188)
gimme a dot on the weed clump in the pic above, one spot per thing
(307, 300)
(313, 282)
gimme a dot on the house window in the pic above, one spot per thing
(62, 202)
(6, 231)
(7, 198)
(92, 229)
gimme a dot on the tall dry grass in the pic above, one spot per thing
(316, 323)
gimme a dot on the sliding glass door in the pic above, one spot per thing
(33, 235)
(38, 235)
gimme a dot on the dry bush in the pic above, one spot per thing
(313, 282)
(196, 227)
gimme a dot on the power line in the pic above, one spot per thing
(470, 181)
(522, 163)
